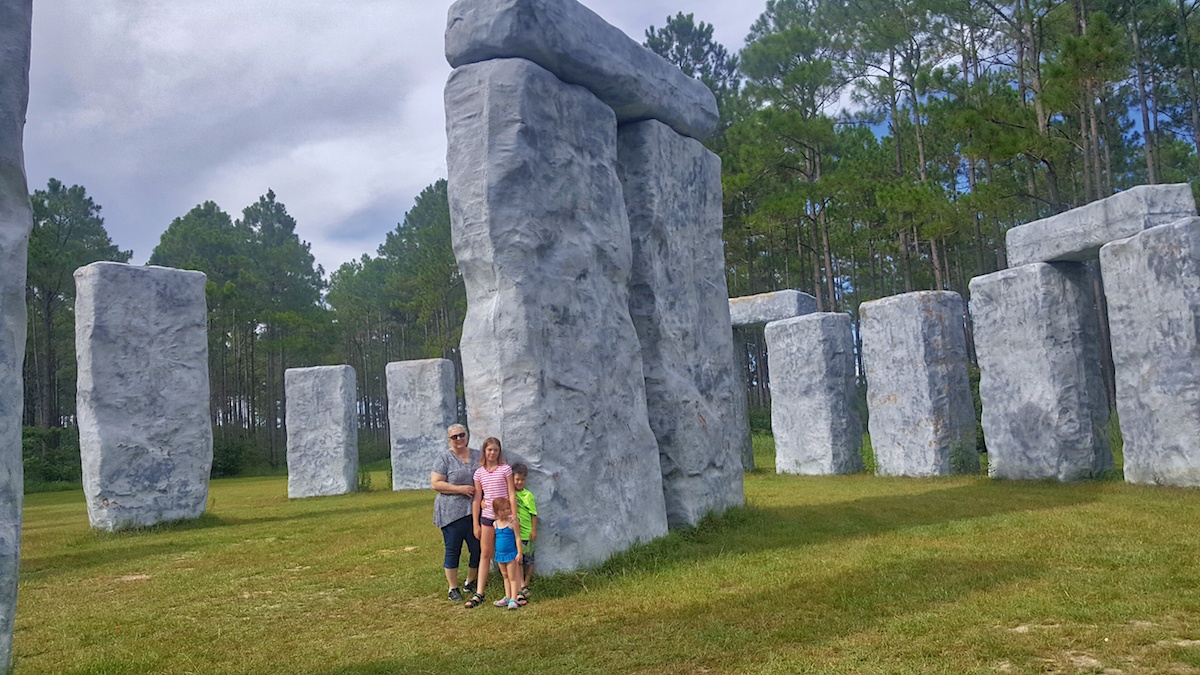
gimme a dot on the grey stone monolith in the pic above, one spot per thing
(814, 402)
(914, 352)
(322, 431)
(1037, 338)
(1152, 283)
(145, 433)
(421, 404)
(551, 360)
(766, 307)
(579, 47)
(1078, 234)
(16, 220)
(679, 305)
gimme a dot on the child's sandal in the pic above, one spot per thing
(522, 600)
(475, 601)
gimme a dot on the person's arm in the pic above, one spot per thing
(517, 537)
(512, 494)
(532, 527)
(438, 482)
(476, 506)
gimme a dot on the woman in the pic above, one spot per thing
(493, 479)
(452, 478)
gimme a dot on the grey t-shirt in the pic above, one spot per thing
(449, 508)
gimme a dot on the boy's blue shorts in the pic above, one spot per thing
(526, 554)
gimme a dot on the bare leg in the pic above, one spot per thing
(452, 577)
(487, 551)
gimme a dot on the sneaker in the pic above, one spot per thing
(469, 587)
(512, 604)
(502, 602)
(455, 595)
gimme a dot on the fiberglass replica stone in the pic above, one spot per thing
(145, 435)
(16, 220)
(679, 305)
(914, 351)
(1152, 283)
(551, 361)
(1037, 337)
(421, 404)
(814, 404)
(1078, 234)
(322, 431)
(766, 307)
(579, 47)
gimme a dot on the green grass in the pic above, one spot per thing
(851, 574)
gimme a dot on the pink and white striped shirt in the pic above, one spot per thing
(495, 484)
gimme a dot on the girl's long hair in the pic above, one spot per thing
(491, 440)
(501, 504)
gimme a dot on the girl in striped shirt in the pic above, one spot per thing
(493, 479)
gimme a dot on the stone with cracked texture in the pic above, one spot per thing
(322, 431)
(145, 434)
(421, 404)
(749, 310)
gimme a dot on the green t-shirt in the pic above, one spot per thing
(526, 510)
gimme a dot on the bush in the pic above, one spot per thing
(50, 458)
(231, 457)
(760, 420)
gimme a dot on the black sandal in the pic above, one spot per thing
(522, 600)
(475, 601)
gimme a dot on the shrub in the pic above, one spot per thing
(50, 458)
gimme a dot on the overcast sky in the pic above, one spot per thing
(155, 106)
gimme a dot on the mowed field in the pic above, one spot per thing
(854, 574)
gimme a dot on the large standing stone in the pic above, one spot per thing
(914, 351)
(766, 307)
(814, 403)
(679, 305)
(421, 404)
(1037, 337)
(551, 360)
(1152, 283)
(1078, 234)
(322, 431)
(145, 434)
(579, 47)
(16, 219)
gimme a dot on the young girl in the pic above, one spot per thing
(508, 551)
(493, 479)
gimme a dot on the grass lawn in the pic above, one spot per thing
(853, 574)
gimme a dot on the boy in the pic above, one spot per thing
(527, 516)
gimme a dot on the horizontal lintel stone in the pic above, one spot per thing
(767, 307)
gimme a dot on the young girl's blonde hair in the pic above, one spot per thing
(492, 440)
(501, 504)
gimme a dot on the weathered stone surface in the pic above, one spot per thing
(1152, 284)
(16, 219)
(579, 47)
(679, 305)
(914, 351)
(145, 435)
(1078, 234)
(322, 431)
(551, 361)
(1037, 338)
(421, 404)
(766, 307)
(814, 405)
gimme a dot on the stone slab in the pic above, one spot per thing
(1152, 284)
(679, 304)
(579, 47)
(16, 220)
(814, 401)
(421, 404)
(1037, 340)
(551, 360)
(914, 352)
(766, 307)
(322, 431)
(145, 431)
(1078, 234)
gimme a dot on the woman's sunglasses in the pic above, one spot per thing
(455, 437)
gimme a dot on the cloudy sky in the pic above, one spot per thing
(155, 106)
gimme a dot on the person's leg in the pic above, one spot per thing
(487, 551)
(504, 574)
(452, 537)
(473, 551)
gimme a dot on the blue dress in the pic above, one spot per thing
(506, 544)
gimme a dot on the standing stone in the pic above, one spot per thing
(1078, 234)
(579, 47)
(766, 307)
(322, 431)
(421, 404)
(1037, 337)
(145, 435)
(814, 403)
(551, 361)
(914, 351)
(16, 220)
(679, 305)
(1152, 283)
